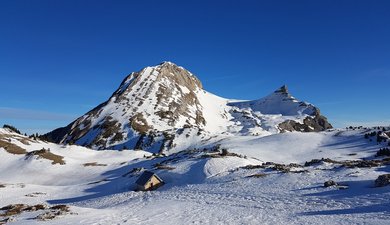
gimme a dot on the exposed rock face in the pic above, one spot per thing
(310, 124)
(153, 107)
(153, 99)
(279, 102)
(282, 102)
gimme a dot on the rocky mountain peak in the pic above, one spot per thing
(283, 90)
(165, 72)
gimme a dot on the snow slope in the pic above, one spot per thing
(278, 102)
(202, 187)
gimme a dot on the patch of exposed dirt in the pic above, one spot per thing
(257, 175)
(35, 194)
(46, 154)
(138, 123)
(352, 163)
(9, 212)
(23, 139)
(12, 148)
(54, 211)
(163, 167)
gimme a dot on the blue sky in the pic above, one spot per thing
(59, 59)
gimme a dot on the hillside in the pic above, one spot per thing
(202, 186)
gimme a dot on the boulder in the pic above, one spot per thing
(330, 183)
(382, 180)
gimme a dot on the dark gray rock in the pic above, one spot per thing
(382, 180)
(310, 124)
(330, 183)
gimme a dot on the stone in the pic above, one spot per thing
(382, 180)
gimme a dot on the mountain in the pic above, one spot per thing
(165, 107)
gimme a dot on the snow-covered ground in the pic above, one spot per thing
(202, 187)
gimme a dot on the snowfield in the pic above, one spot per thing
(202, 186)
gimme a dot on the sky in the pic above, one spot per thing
(59, 59)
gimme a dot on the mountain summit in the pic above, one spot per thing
(279, 102)
(283, 89)
(165, 107)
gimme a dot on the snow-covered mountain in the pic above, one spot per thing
(165, 107)
(227, 162)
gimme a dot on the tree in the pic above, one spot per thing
(12, 128)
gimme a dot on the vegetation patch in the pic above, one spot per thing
(35, 194)
(53, 212)
(138, 123)
(94, 164)
(257, 175)
(163, 167)
(251, 167)
(352, 163)
(317, 161)
(12, 210)
(289, 168)
(12, 148)
(46, 154)
(211, 156)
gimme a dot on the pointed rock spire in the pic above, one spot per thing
(282, 89)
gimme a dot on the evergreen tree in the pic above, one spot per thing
(12, 128)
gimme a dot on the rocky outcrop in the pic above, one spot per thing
(330, 183)
(310, 124)
(278, 102)
(382, 180)
(146, 103)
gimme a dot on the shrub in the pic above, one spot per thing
(225, 152)
(257, 175)
(330, 183)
